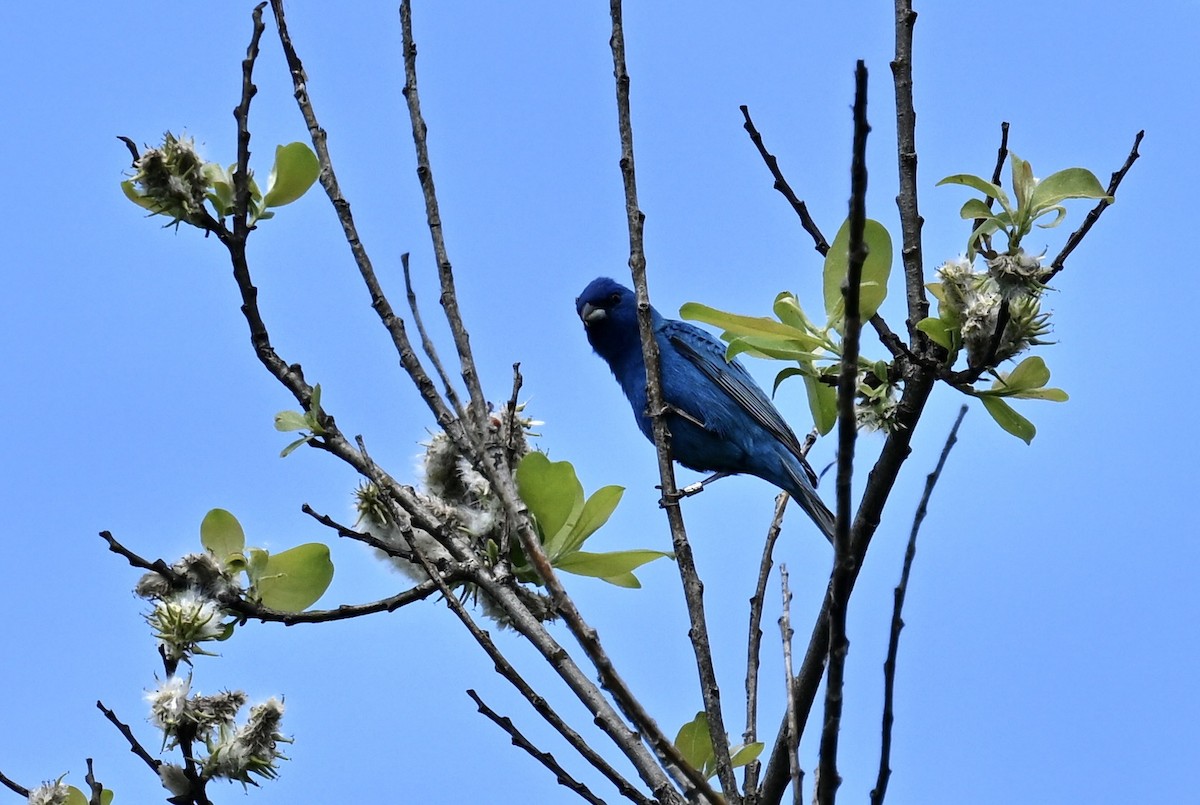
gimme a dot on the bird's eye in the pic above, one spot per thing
(613, 299)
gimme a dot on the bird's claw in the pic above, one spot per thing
(679, 494)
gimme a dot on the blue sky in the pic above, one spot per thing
(1051, 650)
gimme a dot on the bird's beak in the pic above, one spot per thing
(590, 314)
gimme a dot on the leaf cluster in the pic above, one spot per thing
(564, 520)
(288, 581)
(172, 180)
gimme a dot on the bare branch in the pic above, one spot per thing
(134, 746)
(906, 152)
(426, 343)
(93, 785)
(13, 786)
(781, 184)
(795, 773)
(1001, 155)
(841, 581)
(545, 758)
(1077, 236)
(692, 586)
(889, 665)
(462, 341)
(754, 638)
(888, 338)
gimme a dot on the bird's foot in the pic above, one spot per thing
(679, 494)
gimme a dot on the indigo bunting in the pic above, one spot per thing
(720, 420)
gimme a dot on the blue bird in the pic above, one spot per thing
(720, 420)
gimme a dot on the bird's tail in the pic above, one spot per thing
(805, 495)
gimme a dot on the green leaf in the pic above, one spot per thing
(595, 513)
(787, 308)
(741, 325)
(256, 564)
(615, 567)
(287, 421)
(1030, 373)
(106, 796)
(75, 797)
(784, 374)
(975, 208)
(1058, 218)
(287, 451)
(221, 182)
(743, 754)
(1022, 181)
(1069, 183)
(980, 184)
(293, 580)
(782, 349)
(133, 194)
(552, 492)
(937, 331)
(822, 401)
(1053, 395)
(295, 169)
(221, 535)
(1009, 419)
(694, 742)
(875, 271)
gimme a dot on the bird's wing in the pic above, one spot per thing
(708, 355)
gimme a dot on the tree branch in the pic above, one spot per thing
(879, 485)
(427, 343)
(795, 773)
(449, 299)
(692, 586)
(545, 758)
(134, 746)
(889, 665)
(1092, 217)
(906, 153)
(12, 785)
(754, 638)
(841, 581)
(886, 337)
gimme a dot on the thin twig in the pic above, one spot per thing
(1001, 155)
(754, 640)
(841, 583)
(13, 786)
(449, 298)
(692, 586)
(781, 184)
(888, 338)
(93, 784)
(545, 758)
(906, 153)
(889, 665)
(795, 773)
(134, 746)
(427, 343)
(1094, 215)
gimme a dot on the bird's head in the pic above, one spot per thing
(609, 314)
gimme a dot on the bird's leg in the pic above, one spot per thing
(694, 489)
(698, 487)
